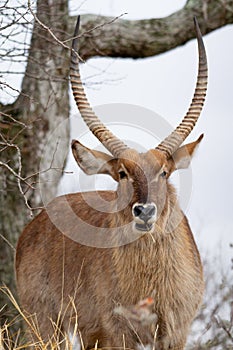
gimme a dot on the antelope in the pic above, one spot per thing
(150, 250)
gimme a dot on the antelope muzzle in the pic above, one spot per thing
(144, 216)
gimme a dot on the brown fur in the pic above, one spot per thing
(52, 268)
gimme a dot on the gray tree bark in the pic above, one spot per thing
(43, 102)
(150, 37)
(41, 106)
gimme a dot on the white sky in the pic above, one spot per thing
(166, 87)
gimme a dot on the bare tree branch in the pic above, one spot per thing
(150, 37)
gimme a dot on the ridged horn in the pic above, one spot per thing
(177, 137)
(103, 134)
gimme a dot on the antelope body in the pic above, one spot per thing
(151, 250)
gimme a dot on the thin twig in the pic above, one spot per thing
(9, 243)
(46, 28)
(16, 90)
(62, 43)
(98, 26)
(221, 324)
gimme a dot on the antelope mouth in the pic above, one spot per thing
(144, 227)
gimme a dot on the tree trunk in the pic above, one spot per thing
(42, 105)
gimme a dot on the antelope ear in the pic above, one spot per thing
(94, 162)
(183, 156)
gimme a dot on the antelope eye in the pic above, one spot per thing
(163, 174)
(122, 174)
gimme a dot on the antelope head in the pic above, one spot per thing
(142, 177)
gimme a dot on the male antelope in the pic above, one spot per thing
(57, 275)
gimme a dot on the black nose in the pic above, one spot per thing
(144, 211)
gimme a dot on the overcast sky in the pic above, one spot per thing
(166, 87)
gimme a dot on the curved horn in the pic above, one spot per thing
(105, 136)
(176, 138)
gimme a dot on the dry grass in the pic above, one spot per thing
(21, 339)
(212, 329)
